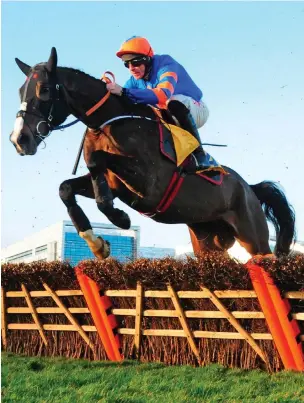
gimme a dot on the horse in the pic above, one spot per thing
(122, 145)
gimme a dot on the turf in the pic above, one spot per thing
(47, 380)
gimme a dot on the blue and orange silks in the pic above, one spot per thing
(167, 77)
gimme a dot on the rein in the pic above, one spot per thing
(95, 107)
(61, 127)
(105, 98)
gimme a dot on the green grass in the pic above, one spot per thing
(45, 380)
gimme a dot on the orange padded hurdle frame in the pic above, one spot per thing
(284, 329)
(105, 322)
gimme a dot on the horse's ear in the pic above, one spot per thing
(22, 66)
(52, 62)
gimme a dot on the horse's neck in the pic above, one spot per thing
(83, 92)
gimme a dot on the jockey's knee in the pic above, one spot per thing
(182, 106)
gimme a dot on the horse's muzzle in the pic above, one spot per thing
(21, 144)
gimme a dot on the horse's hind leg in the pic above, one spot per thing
(250, 225)
(253, 240)
(212, 236)
(67, 191)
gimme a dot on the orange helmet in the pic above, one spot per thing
(136, 45)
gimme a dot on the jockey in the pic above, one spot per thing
(159, 80)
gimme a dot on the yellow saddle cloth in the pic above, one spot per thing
(184, 142)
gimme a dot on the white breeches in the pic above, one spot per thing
(198, 110)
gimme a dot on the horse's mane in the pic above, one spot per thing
(73, 70)
(131, 107)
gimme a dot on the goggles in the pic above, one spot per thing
(137, 61)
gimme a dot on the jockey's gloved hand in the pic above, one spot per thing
(114, 88)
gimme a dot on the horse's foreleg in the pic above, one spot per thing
(67, 191)
(104, 197)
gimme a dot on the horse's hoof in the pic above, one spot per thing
(120, 219)
(104, 251)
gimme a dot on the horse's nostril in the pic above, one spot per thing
(21, 139)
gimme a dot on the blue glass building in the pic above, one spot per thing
(60, 241)
(124, 243)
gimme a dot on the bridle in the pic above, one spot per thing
(54, 96)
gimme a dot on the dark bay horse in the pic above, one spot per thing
(128, 152)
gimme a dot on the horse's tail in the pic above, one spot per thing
(279, 212)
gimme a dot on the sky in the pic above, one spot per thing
(247, 57)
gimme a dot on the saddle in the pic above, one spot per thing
(178, 145)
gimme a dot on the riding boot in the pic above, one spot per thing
(104, 200)
(185, 119)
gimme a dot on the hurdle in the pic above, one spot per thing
(283, 327)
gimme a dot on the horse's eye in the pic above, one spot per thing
(43, 92)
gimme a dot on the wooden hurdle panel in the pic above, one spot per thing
(222, 313)
(139, 294)
(35, 311)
